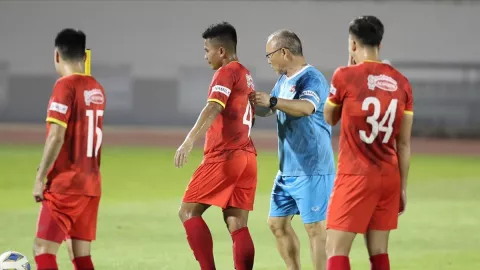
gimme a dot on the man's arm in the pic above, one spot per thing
(403, 147)
(204, 121)
(295, 107)
(52, 147)
(332, 110)
(264, 111)
(332, 113)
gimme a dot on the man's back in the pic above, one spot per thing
(77, 103)
(230, 87)
(375, 97)
(304, 143)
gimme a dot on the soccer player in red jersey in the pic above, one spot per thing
(227, 176)
(375, 104)
(71, 158)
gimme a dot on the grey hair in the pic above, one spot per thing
(287, 39)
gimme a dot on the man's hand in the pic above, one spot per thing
(38, 189)
(260, 99)
(403, 202)
(181, 156)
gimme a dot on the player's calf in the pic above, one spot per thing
(243, 247)
(198, 234)
(287, 241)
(318, 236)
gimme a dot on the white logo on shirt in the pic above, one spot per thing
(309, 93)
(221, 89)
(94, 96)
(58, 107)
(382, 82)
(333, 90)
(250, 81)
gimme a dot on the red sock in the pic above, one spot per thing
(46, 262)
(201, 242)
(83, 263)
(338, 263)
(380, 262)
(243, 249)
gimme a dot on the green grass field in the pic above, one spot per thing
(139, 229)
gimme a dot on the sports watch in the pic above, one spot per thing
(273, 102)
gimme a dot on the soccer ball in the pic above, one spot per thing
(12, 260)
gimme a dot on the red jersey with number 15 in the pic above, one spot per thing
(230, 87)
(77, 103)
(374, 97)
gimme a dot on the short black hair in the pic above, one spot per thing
(289, 40)
(71, 44)
(224, 33)
(368, 29)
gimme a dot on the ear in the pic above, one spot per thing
(57, 57)
(284, 53)
(222, 51)
(354, 45)
(379, 46)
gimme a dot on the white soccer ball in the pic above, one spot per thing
(12, 260)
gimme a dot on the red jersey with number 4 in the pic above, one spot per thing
(230, 87)
(374, 97)
(77, 103)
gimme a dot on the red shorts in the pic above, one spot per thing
(64, 216)
(230, 183)
(360, 203)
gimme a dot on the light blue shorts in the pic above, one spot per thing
(304, 195)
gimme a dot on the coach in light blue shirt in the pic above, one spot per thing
(306, 165)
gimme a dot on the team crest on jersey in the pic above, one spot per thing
(292, 89)
(382, 82)
(333, 90)
(250, 81)
(94, 96)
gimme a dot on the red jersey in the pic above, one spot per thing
(77, 103)
(374, 96)
(230, 131)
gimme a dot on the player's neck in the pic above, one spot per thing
(73, 69)
(296, 66)
(232, 58)
(369, 55)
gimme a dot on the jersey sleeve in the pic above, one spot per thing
(337, 89)
(409, 100)
(60, 105)
(221, 87)
(314, 90)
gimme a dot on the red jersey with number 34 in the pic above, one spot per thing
(230, 87)
(77, 103)
(374, 97)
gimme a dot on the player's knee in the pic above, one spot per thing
(41, 246)
(185, 214)
(338, 243)
(372, 251)
(316, 230)
(235, 223)
(278, 227)
(80, 248)
(189, 210)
